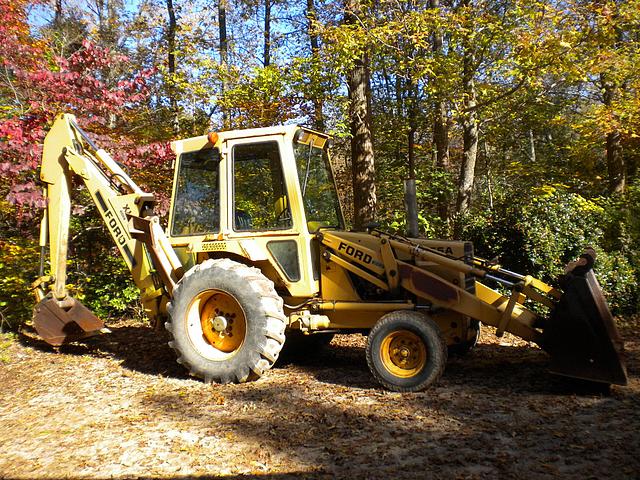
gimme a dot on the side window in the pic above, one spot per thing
(260, 196)
(285, 253)
(196, 208)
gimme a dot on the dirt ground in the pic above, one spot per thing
(118, 406)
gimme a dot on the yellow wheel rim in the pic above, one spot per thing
(403, 353)
(216, 324)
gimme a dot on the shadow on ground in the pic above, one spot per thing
(489, 365)
(495, 413)
(137, 347)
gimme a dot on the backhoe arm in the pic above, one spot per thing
(145, 250)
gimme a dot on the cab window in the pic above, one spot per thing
(316, 183)
(260, 195)
(196, 208)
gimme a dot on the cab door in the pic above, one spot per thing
(261, 215)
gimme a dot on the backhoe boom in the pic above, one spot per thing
(69, 152)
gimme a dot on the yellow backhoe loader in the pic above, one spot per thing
(256, 252)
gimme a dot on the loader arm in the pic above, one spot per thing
(127, 212)
(579, 334)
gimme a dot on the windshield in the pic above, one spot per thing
(196, 204)
(316, 182)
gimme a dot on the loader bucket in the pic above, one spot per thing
(581, 335)
(57, 325)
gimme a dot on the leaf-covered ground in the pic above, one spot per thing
(118, 406)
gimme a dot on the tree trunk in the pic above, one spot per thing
(312, 17)
(58, 12)
(317, 100)
(362, 159)
(100, 17)
(224, 57)
(112, 22)
(615, 163)
(411, 200)
(171, 45)
(398, 87)
(469, 135)
(266, 61)
(440, 130)
(411, 205)
(616, 168)
(469, 156)
(532, 146)
(487, 162)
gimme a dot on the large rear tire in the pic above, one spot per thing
(406, 351)
(226, 322)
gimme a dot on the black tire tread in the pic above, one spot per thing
(262, 359)
(438, 360)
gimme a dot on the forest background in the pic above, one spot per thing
(519, 120)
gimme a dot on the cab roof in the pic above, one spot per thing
(197, 143)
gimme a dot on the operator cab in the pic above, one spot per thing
(257, 196)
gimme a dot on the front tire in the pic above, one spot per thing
(406, 351)
(227, 322)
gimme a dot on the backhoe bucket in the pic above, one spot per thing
(57, 325)
(581, 335)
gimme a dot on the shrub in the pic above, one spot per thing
(99, 279)
(18, 268)
(550, 227)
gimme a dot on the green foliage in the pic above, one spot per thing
(97, 275)
(18, 269)
(619, 262)
(100, 280)
(542, 232)
(432, 185)
(618, 274)
(555, 225)
(109, 291)
(260, 98)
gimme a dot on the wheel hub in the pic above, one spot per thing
(221, 321)
(403, 353)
